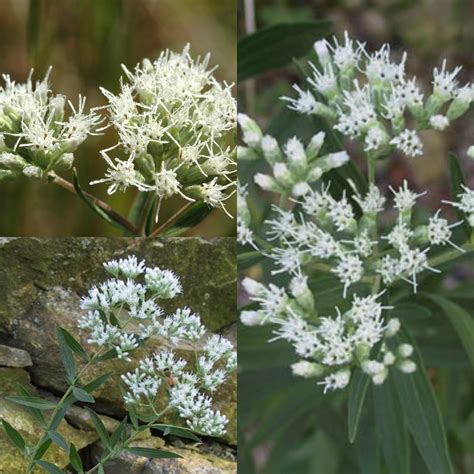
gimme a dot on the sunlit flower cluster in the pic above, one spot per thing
(176, 128)
(39, 130)
(122, 313)
(369, 97)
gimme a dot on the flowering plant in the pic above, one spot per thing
(120, 316)
(176, 137)
(338, 264)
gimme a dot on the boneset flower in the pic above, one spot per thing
(123, 313)
(174, 122)
(39, 130)
(319, 226)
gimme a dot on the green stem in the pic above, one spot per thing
(371, 169)
(170, 221)
(144, 215)
(56, 410)
(126, 444)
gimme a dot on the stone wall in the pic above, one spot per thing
(41, 283)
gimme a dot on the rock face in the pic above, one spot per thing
(13, 357)
(41, 283)
(192, 461)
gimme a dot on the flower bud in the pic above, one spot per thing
(296, 155)
(333, 160)
(372, 367)
(271, 150)
(246, 153)
(282, 175)
(389, 358)
(252, 287)
(322, 51)
(300, 290)
(379, 378)
(461, 103)
(393, 326)
(267, 183)
(307, 369)
(300, 189)
(32, 171)
(405, 350)
(314, 174)
(12, 162)
(252, 134)
(439, 122)
(65, 162)
(407, 366)
(252, 318)
(315, 145)
(470, 152)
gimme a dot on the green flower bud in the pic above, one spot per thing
(12, 162)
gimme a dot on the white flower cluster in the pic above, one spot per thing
(327, 230)
(188, 390)
(465, 204)
(368, 96)
(122, 313)
(37, 133)
(244, 233)
(294, 167)
(330, 346)
(175, 123)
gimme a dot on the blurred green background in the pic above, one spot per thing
(86, 41)
(285, 424)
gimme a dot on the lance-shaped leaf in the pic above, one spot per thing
(51, 468)
(75, 459)
(73, 343)
(67, 357)
(14, 436)
(461, 321)
(189, 219)
(422, 415)
(277, 45)
(31, 401)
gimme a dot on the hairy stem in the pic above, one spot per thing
(170, 221)
(104, 206)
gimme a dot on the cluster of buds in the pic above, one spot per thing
(368, 96)
(176, 126)
(122, 313)
(330, 347)
(37, 134)
(294, 166)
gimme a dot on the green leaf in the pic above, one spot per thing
(67, 357)
(119, 432)
(75, 460)
(248, 259)
(106, 216)
(42, 449)
(97, 383)
(73, 344)
(392, 428)
(31, 401)
(37, 414)
(82, 395)
(51, 468)
(176, 431)
(457, 181)
(58, 439)
(357, 393)
(14, 435)
(277, 45)
(100, 428)
(152, 453)
(422, 415)
(461, 320)
(189, 219)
